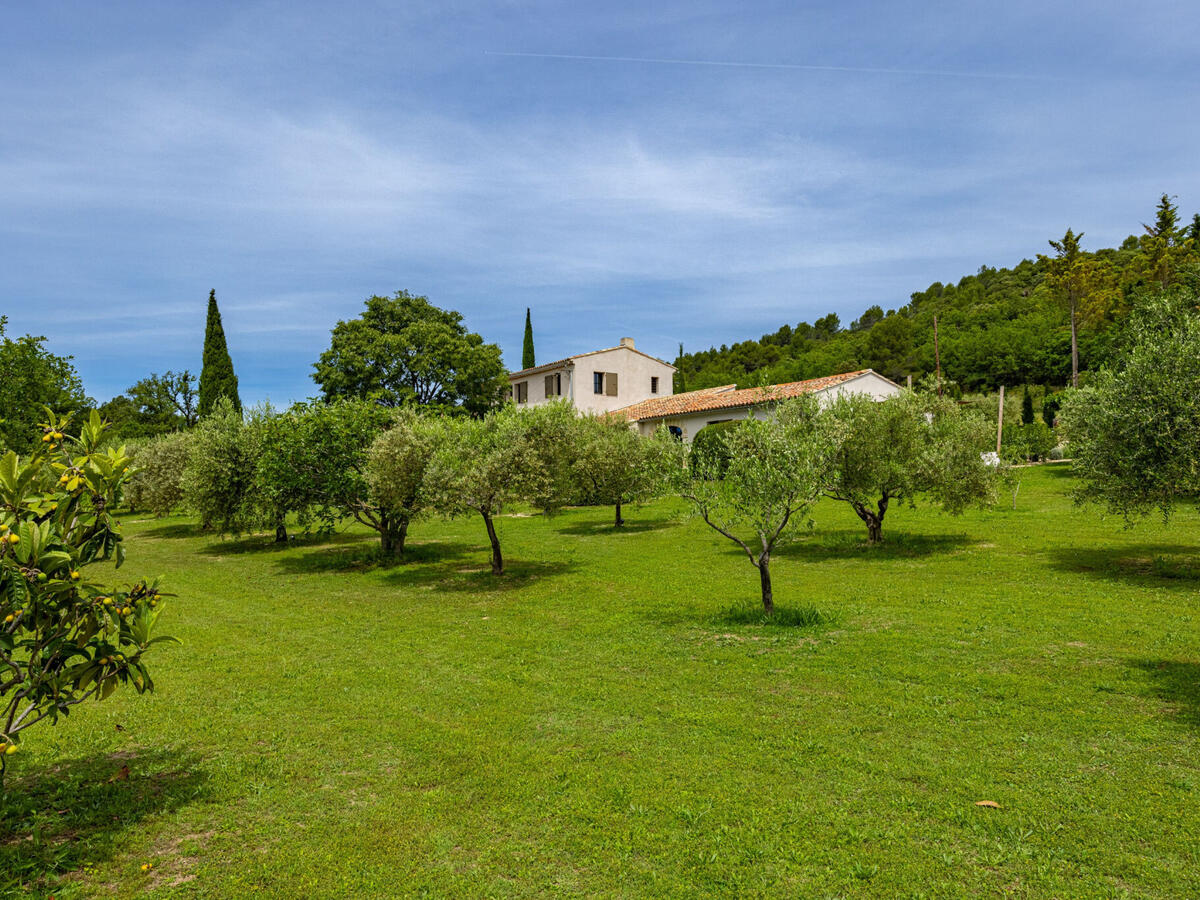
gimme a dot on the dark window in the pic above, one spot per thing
(597, 382)
(676, 432)
(522, 391)
(654, 384)
(558, 384)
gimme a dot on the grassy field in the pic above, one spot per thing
(597, 723)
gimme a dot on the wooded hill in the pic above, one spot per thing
(999, 326)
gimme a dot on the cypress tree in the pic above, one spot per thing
(1027, 408)
(527, 358)
(217, 378)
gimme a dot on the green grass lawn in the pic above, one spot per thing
(595, 723)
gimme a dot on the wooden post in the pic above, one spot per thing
(910, 382)
(937, 355)
(1000, 421)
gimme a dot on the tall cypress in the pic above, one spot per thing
(527, 358)
(217, 379)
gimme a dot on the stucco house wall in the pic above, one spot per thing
(632, 368)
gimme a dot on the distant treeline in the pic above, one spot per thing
(998, 326)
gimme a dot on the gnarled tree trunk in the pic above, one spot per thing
(497, 558)
(281, 535)
(873, 518)
(619, 521)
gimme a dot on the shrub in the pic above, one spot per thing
(710, 448)
(1050, 407)
(63, 638)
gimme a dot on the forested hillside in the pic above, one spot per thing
(998, 326)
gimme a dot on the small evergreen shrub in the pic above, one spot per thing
(710, 449)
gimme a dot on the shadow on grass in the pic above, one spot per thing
(265, 542)
(1062, 469)
(360, 553)
(1160, 565)
(831, 545)
(177, 530)
(1177, 683)
(57, 820)
(475, 575)
(599, 528)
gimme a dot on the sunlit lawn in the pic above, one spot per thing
(594, 723)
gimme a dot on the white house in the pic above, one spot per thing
(597, 382)
(685, 414)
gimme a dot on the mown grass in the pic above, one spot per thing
(603, 721)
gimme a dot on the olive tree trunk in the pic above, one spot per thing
(497, 557)
(619, 521)
(764, 575)
(873, 518)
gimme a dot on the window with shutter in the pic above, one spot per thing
(558, 384)
(610, 383)
(597, 382)
(549, 385)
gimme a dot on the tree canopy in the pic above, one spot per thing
(32, 378)
(998, 326)
(403, 350)
(1135, 431)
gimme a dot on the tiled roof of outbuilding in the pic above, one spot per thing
(729, 397)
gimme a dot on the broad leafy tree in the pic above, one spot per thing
(1134, 432)
(777, 470)
(404, 350)
(905, 447)
(313, 462)
(65, 638)
(31, 379)
(217, 378)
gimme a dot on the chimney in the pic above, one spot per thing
(627, 342)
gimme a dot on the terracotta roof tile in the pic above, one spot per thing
(728, 397)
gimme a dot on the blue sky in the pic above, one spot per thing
(299, 157)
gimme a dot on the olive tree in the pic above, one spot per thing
(486, 464)
(219, 482)
(906, 446)
(159, 464)
(776, 469)
(397, 462)
(614, 465)
(64, 638)
(1134, 432)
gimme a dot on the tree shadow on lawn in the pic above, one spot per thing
(177, 530)
(360, 553)
(1177, 683)
(1159, 565)
(475, 576)
(264, 542)
(57, 820)
(599, 528)
(853, 544)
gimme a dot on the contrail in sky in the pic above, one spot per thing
(939, 73)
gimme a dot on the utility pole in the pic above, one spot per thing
(937, 355)
(1000, 421)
